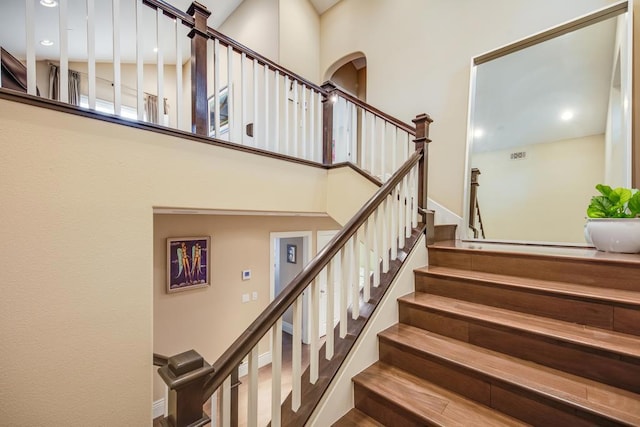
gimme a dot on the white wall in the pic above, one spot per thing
(418, 60)
(543, 197)
(300, 38)
(77, 267)
(255, 24)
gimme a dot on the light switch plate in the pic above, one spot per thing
(245, 298)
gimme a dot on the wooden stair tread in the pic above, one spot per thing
(611, 341)
(426, 400)
(356, 418)
(597, 398)
(539, 251)
(618, 296)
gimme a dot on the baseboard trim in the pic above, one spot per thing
(287, 327)
(263, 360)
(158, 408)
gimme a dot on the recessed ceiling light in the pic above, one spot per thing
(46, 42)
(155, 49)
(49, 3)
(478, 133)
(566, 115)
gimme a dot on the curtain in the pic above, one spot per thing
(151, 108)
(73, 83)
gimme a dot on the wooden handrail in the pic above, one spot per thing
(233, 356)
(239, 47)
(373, 110)
(160, 360)
(170, 11)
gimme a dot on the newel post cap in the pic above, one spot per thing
(183, 369)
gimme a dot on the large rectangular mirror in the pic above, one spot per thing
(549, 118)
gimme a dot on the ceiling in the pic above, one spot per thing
(520, 97)
(12, 13)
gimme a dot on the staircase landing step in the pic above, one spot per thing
(400, 398)
(567, 252)
(504, 373)
(617, 296)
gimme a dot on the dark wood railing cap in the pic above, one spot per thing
(184, 368)
(421, 118)
(200, 8)
(185, 362)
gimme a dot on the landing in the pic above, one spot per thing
(556, 251)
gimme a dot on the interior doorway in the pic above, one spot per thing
(290, 252)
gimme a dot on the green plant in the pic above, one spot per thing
(614, 203)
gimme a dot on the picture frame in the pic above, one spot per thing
(188, 263)
(223, 100)
(292, 254)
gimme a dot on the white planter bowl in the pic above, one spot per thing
(614, 234)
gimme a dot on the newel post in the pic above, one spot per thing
(185, 375)
(328, 99)
(422, 122)
(199, 38)
(473, 199)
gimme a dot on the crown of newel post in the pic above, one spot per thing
(199, 38)
(422, 122)
(328, 99)
(185, 375)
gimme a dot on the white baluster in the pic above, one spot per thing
(374, 146)
(318, 119)
(230, 94)
(303, 123)
(296, 127)
(267, 141)
(276, 113)
(117, 78)
(344, 287)
(256, 124)
(64, 52)
(383, 153)
(216, 88)
(31, 46)
(160, 66)
(407, 207)
(225, 403)
(394, 149)
(287, 145)
(375, 228)
(252, 399)
(363, 140)
(314, 303)
(213, 408)
(166, 401)
(384, 230)
(355, 288)
(401, 215)
(276, 373)
(330, 308)
(393, 208)
(366, 232)
(296, 355)
(313, 142)
(91, 52)
(243, 96)
(139, 64)
(414, 196)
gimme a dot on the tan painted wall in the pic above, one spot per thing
(347, 191)
(299, 40)
(559, 178)
(210, 319)
(255, 24)
(77, 267)
(418, 60)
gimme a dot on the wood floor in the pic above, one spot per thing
(506, 335)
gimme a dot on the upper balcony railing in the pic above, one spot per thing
(146, 61)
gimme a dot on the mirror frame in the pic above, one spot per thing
(619, 8)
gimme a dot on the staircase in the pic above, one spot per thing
(509, 335)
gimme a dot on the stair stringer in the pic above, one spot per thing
(338, 399)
